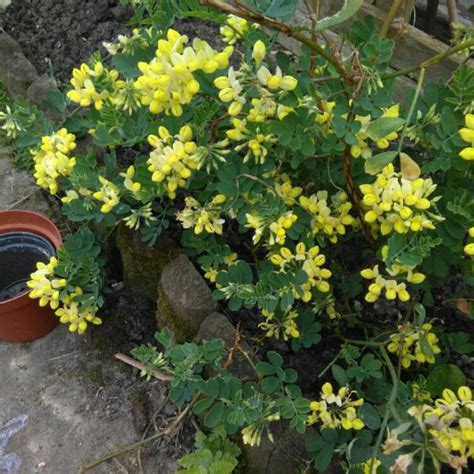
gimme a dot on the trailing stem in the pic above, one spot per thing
(256, 17)
(431, 61)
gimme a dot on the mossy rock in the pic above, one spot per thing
(287, 455)
(184, 299)
(142, 264)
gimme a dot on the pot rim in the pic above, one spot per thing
(18, 220)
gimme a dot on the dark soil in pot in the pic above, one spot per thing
(19, 253)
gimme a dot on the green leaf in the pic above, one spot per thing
(359, 451)
(275, 359)
(270, 384)
(377, 163)
(215, 415)
(460, 342)
(383, 126)
(127, 65)
(444, 376)
(370, 416)
(339, 374)
(324, 457)
(349, 9)
(202, 405)
(55, 101)
(425, 345)
(283, 9)
(264, 368)
(329, 435)
(315, 443)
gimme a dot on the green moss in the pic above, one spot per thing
(142, 265)
(167, 317)
(93, 375)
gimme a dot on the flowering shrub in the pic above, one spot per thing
(306, 194)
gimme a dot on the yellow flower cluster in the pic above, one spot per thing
(469, 248)
(207, 217)
(336, 410)
(285, 189)
(277, 228)
(406, 344)
(173, 158)
(129, 44)
(92, 86)
(128, 183)
(451, 424)
(234, 29)
(47, 288)
(393, 289)
(254, 142)
(308, 260)
(467, 135)
(276, 81)
(395, 203)
(44, 286)
(265, 107)
(167, 81)
(109, 194)
(230, 90)
(280, 326)
(325, 112)
(77, 314)
(52, 159)
(330, 219)
(125, 96)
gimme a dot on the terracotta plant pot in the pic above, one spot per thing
(25, 237)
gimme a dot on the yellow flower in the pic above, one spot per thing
(229, 91)
(395, 203)
(125, 97)
(128, 182)
(205, 217)
(259, 51)
(255, 142)
(406, 343)
(86, 80)
(234, 29)
(467, 135)
(330, 218)
(77, 314)
(167, 82)
(281, 325)
(173, 158)
(308, 260)
(277, 80)
(109, 194)
(53, 159)
(44, 285)
(287, 191)
(469, 249)
(336, 410)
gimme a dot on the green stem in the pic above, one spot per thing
(390, 404)
(431, 61)
(390, 17)
(412, 109)
(288, 30)
(332, 362)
